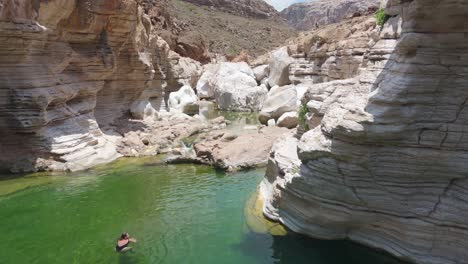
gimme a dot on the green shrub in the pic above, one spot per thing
(381, 17)
(301, 115)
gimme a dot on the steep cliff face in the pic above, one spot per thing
(385, 161)
(69, 68)
(333, 52)
(307, 16)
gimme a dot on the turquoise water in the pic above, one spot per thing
(178, 213)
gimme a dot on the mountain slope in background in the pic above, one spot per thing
(229, 26)
(244, 8)
(306, 16)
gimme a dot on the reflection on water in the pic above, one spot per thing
(240, 120)
(178, 213)
(298, 249)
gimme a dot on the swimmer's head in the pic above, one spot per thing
(124, 236)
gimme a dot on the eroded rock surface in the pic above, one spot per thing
(69, 69)
(135, 138)
(229, 151)
(336, 51)
(385, 161)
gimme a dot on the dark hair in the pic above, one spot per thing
(124, 236)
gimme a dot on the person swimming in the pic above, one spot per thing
(123, 243)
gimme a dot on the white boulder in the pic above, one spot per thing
(261, 72)
(271, 123)
(178, 100)
(233, 85)
(288, 120)
(205, 89)
(279, 101)
(301, 90)
(242, 99)
(265, 82)
(143, 110)
(279, 67)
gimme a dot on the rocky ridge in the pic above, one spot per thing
(245, 8)
(384, 162)
(312, 15)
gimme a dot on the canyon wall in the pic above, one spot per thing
(385, 160)
(69, 69)
(311, 15)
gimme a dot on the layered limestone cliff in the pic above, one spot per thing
(69, 69)
(333, 52)
(311, 15)
(385, 161)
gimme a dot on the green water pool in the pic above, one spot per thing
(178, 213)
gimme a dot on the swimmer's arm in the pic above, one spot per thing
(132, 240)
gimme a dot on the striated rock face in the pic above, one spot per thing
(307, 16)
(252, 8)
(69, 68)
(385, 163)
(334, 52)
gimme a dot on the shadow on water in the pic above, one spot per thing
(297, 249)
(128, 258)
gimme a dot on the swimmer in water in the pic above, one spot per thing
(124, 242)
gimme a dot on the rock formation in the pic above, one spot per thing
(313, 14)
(288, 120)
(180, 100)
(385, 161)
(252, 8)
(135, 138)
(226, 150)
(69, 69)
(233, 86)
(279, 101)
(279, 64)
